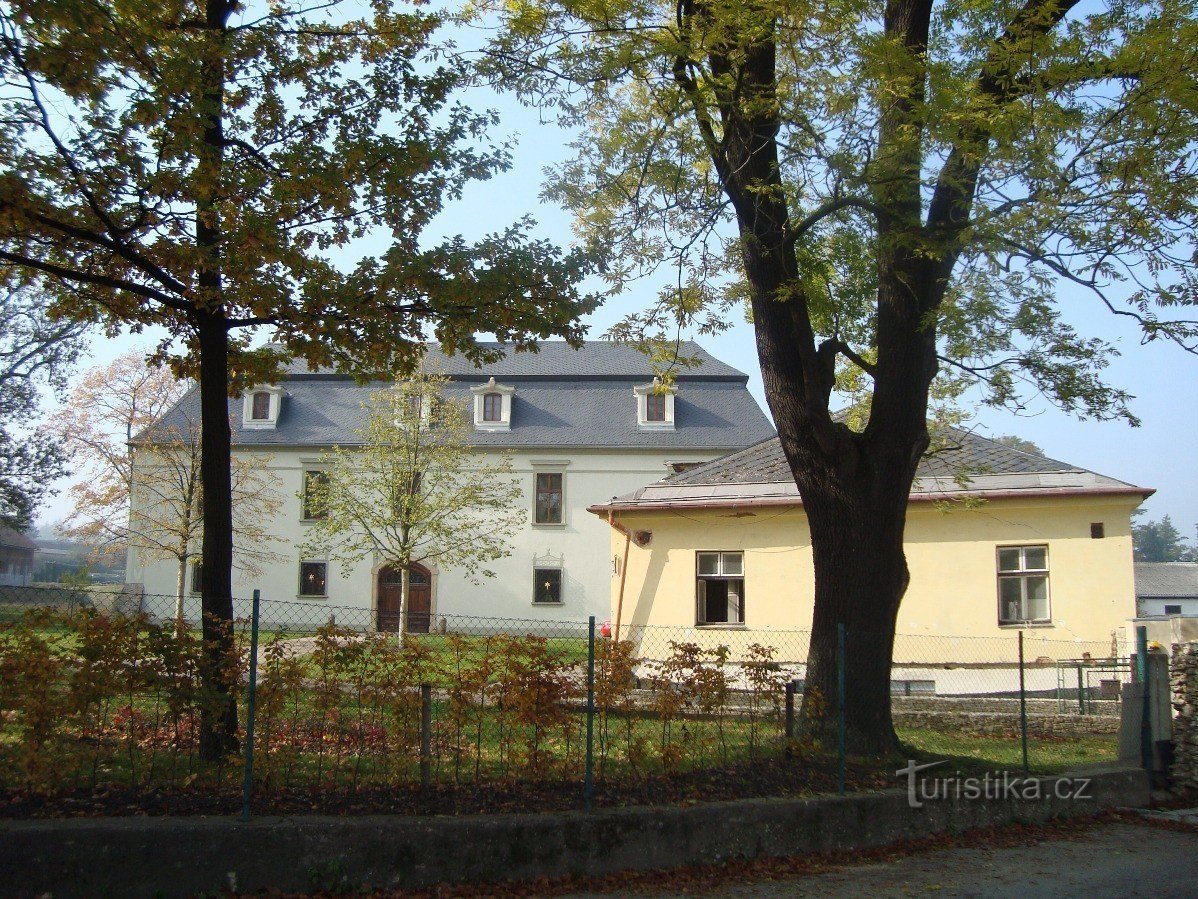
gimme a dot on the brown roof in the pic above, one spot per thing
(15, 539)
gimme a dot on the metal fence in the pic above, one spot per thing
(100, 687)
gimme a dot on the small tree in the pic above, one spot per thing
(413, 491)
(140, 485)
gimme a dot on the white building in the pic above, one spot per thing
(582, 426)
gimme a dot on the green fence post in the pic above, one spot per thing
(840, 695)
(247, 785)
(1022, 705)
(1145, 698)
(588, 786)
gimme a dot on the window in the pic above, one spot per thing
(197, 577)
(1023, 584)
(492, 407)
(655, 407)
(261, 408)
(720, 579)
(549, 498)
(313, 578)
(314, 507)
(547, 585)
(1172, 610)
(1097, 530)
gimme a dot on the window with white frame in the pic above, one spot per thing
(314, 578)
(1023, 585)
(197, 577)
(492, 406)
(314, 506)
(550, 497)
(260, 408)
(655, 406)
(547, 586)
(720, 587)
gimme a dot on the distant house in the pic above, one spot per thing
(1166, 588)
(1043, 546)
(16, 558)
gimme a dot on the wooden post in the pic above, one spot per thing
(426, 735)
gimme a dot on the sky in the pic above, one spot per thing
(1160, 454)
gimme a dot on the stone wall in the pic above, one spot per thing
(1185, 722)
(1007, 724)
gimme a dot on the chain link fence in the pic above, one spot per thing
(101, 687)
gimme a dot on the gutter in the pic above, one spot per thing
(797, 502)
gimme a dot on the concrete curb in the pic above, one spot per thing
(148, 857)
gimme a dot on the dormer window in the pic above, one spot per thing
(655, 406)
(492, 406)
(260, 408)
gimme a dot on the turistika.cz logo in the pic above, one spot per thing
(989, 787)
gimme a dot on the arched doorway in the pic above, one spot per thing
(420, 599)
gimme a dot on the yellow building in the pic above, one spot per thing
(1026, 543)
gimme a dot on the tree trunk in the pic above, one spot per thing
(860, 578)
(405, 581)
(180, 587)
(218, 674)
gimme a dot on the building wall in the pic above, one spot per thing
(581, 543)
(16, 566)
(1152, 607)
(951, 556)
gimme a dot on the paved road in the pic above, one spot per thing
(1115, 860)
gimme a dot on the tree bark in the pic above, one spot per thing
(180, 587)
(405, 582)
(218, 674)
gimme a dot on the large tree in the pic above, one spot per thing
(899, 186)
(206, 166)
(137, 477)
(35, 352)
(1158, 541)
(410, 490)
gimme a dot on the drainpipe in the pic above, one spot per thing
(611, 520)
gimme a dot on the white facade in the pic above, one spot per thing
(579, 546)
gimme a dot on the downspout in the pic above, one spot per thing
(611, 520)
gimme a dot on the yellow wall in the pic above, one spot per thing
(951, 555)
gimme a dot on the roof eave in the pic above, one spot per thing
(795, 501)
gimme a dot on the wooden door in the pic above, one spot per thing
(420, 590)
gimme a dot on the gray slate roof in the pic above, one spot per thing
(597, 359)
(760, 473)
(564, 398)
(1167, 580)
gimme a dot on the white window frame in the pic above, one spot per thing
(505, 418)
(1023, 574)
(720, 574)
(194, 574)
(300, 593)
(540, 468)
(304, 492)
(248, 421)
(539, 565)
(642, 393)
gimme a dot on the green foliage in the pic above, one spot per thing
(1059, 136)
(411, 490)
(1159, 541)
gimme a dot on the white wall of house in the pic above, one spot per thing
(1160, 606)
(580, 545)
